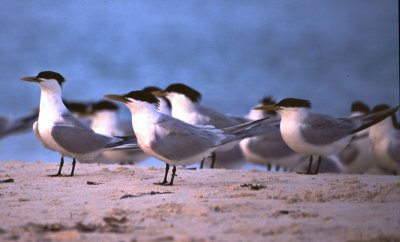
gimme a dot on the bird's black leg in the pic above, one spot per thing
(269, 166)
(308, 172)
(173, 176)
(309, 165)
(164, 182)
(278, 167)
(73, 166)
(318, 164)
(213, 156)
(202, 163)
(59, 169)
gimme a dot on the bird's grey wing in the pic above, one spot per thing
(241, 120)
(79, 140)
(321, 129)
(69, 120)
(21, 124)
(215, 118)
(394, 148)
(37, 135)
(177, 140)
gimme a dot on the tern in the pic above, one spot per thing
(357, 157)
(385, 138)
(319, 134)
(269, 148)
(186, 106)
(171, 140)
(105, 121)
(58, 130)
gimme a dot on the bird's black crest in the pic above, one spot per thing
(294, 103)
(104, 105)
(152, 89)
(269, 100)
(143, 96)
(380, 107)
(359, 107)
(76, 107)
(52, 75)
(189, 92)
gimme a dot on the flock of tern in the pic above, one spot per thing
(172, 125)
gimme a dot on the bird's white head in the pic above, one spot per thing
(181, 93)
(48, 80)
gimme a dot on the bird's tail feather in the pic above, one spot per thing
(373, 118)
(244, 126)
(124, 143)
(250, 129)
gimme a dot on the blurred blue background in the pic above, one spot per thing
(234, 52)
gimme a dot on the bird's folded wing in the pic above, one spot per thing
(322, 129)
(177, 140)
(79, 140)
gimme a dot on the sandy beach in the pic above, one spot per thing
(120, 203)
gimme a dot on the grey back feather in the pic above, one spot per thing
(76, 138)
(321, 129)
(177, 140)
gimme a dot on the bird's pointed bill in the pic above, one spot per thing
(159, 94)
(31, 79)
(118, 98)
(267, 107)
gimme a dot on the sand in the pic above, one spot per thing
(120, 203)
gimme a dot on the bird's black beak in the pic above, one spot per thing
(31, 79)
(272, 107)
(118, 98)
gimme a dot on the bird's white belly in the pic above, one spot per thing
(364, 160)
(45, 134)
(382, 157)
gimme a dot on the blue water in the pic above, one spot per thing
(234, 52)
